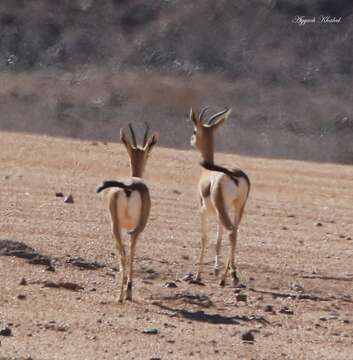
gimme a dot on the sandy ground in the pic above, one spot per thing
(294, 257)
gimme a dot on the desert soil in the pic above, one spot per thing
(59, 267)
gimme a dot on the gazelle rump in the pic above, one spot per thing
(220, 190)
(130, 203)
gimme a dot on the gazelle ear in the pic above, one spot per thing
(193, 117)
(125, 141)
(219, 118)
(151, 142)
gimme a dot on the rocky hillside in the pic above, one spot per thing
(82, 68)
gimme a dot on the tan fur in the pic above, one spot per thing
(226, 192)
(130, 204)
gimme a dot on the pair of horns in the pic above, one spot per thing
(212, 118)
(133, 136)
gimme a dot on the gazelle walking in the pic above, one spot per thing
(130, 204)
(219, 190)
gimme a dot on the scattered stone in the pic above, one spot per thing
(269, 308)
(297, 287)
(247, 336)
(286, 311)
(23, 282)
(346, 321)
(242, 297)
(176, 192)
(21, 297)
(69, 199)
(50, 268)
(348, 238)
(284, 228)
(150, 331)
(318, 224)
(185, 257)
(188, 277)
(170, 284)
(6, 331)
(59, 194)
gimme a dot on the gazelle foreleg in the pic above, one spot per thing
(203, 212)
(218, 248)
(133, 241)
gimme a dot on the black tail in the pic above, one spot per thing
(233, 174)
(112, 183)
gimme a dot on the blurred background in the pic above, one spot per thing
(84, 68)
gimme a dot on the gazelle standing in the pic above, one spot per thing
(219, 190)
(130, 204)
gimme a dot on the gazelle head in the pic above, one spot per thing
(202, 137)
(138, 154)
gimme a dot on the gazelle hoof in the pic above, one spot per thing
(222, 283)
(216, 271)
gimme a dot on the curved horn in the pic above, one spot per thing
(133, 136)
(145, 137)
(202, 112)
(215, 116)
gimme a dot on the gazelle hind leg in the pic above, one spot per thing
(233, 236)
(121, 250)
(203, 243)
(133, 241)
(218, 248)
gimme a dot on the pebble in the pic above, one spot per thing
(241, 297)
(150, 331)
(170, 284)
(6, 331)
(269, 308)
(247, 336)
(69, 199)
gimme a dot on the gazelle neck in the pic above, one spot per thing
(207, 150)
(136, 169)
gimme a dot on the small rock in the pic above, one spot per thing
(150, 331)
(269, 308)
(242, 297)
(318, 224)
(6, 331)
(23, 282)
(348, 238)
(170, 284)
(176, 192)
(284, 228)
(50, 268)
(248, 336)
(69, 199)
(59, 194)
(188, 277)
(286, 311)
(21, 297)
(297, 287)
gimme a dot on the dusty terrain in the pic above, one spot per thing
(294, 254)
